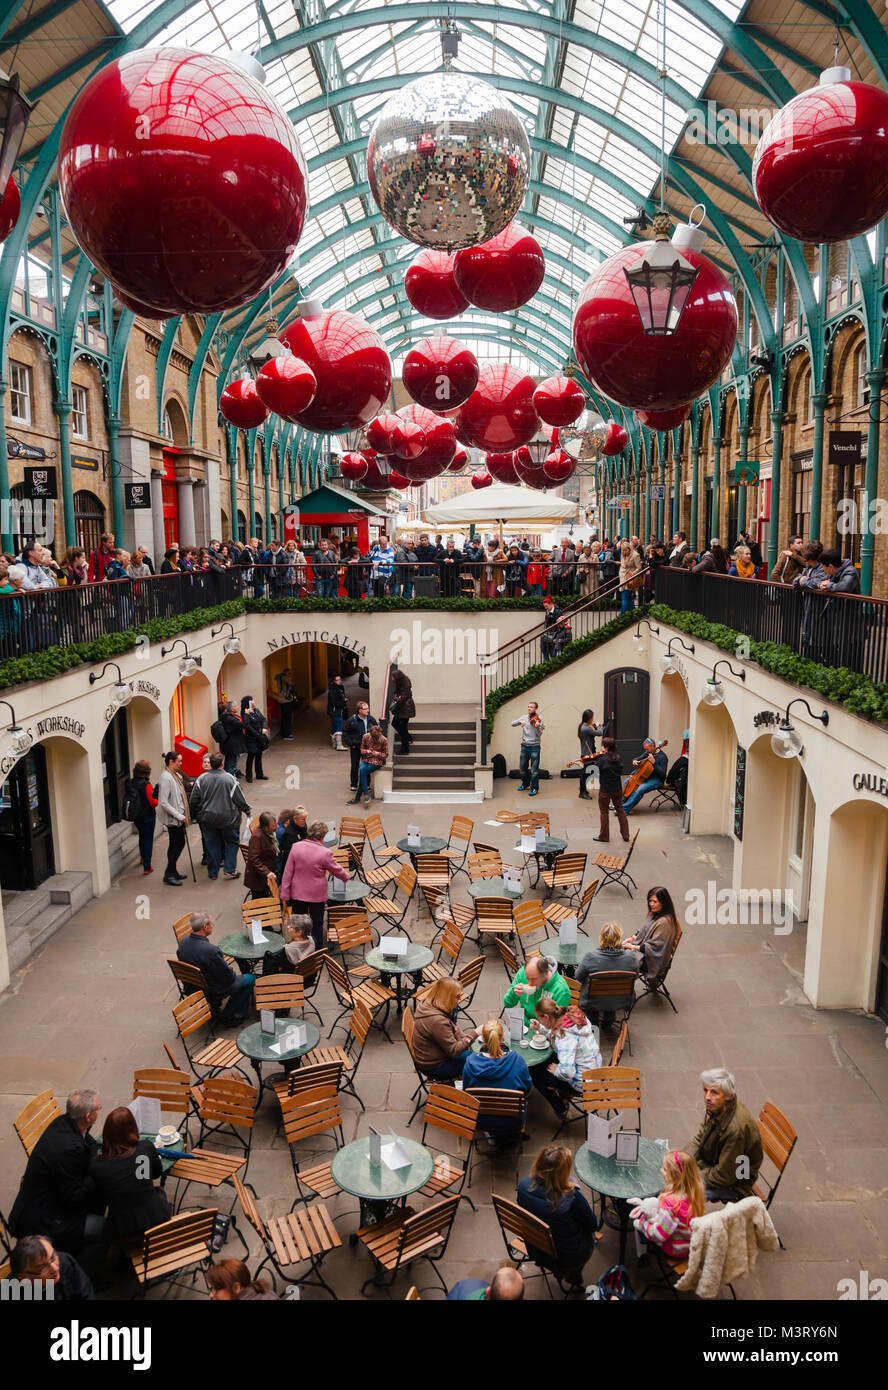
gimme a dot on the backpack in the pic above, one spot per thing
(217, 731)
(613, 1284)
(499, 765)
(131, 801)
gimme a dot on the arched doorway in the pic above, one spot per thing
(192, 709)
(258, 531)
(27, 853)
(313, 665)
(674, 713)
(89, 520)
(626, 699)
(713, 772)
(170, 498)
(846, 961)
(115, 766)
(242, 527)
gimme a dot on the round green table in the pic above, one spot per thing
(625, 1184)
(245, 951)
(379, 1189)
(256, 1045)
(493, 888)
(355, 890)
(548, 848)
(395, 970)
(567, 956)
(428, 844)
(533, 1056)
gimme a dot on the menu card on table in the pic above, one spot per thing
(516, 1025)
(414, 837)
(567, 931)
(394, 1155)
(266, 1022)
(331, 836)
(627, 1147)
(293, 1037)
(528, 843)
(337, 887)
(146, 1112)
(393, 946)
(511, 878)
(375, 1146)
(257, 935)
(539, 833)
(601, 1134)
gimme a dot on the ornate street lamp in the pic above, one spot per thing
(15, 112)
(660, 282)
(122, 693)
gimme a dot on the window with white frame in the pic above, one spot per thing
(80, 412)
(862, 386)
(20, 392)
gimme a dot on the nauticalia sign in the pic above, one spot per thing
(333, 638)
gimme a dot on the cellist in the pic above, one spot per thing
(654, 764)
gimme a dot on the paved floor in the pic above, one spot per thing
(95, 1005)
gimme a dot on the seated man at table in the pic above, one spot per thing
(537, 979)
(609, 955)
(220, 981)
(34, 1260)
(506, 1285)
(57, 1196)
(728, 1145)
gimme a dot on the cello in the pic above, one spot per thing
(642, 772)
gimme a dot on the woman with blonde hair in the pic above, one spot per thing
(549, 1194)
(441, 1050)
(666, 1220)
(630, 576)
(496, 1068)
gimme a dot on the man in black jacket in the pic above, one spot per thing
(57, 1198)
(35, 1261)
(235, 739)
(657, 777)
(220, 981)
(354, 730)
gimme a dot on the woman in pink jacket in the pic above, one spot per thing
(304, 883)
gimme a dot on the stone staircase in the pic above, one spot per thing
(32, 918)
(440, 766)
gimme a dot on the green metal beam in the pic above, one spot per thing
(211, 323)
(170, 331)
(34, 22)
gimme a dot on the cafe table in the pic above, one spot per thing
(257, 1045)
(625, 1184)
(548, 848)
(428, 844)
(395, 970)
(533, 1056)
(379, 1189)
(493, 888)
(246, 951)
(355, 890)
(567, 956)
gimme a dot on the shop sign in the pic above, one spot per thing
(293, 639)
(869, 782)
(41, 482)
(845, 446)
(765, 717)
(137, 496)
(88, 465)
(16, 450)
(60, 724)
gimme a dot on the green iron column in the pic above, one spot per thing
(266, 480)
(251, 486)
(676, 487)
(636, 501)
(742, 456)
(116, 481)
(662, 451)
(63, 411)
(875, 380)
(819, 400)
(6, 537)
(647, 495)
(716, 483)
(231, 436)
(774, 542)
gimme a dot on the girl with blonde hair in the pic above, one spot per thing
(574, 1041)
(495, 1067)
(666, 1220)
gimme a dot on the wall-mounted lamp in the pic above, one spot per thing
(785, 742)
(232, 645)
(188, 664)
(637, 639)
(20, 740)
(122, 693)
(667, 660)
(714, 689)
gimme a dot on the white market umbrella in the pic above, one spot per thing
(502, 506)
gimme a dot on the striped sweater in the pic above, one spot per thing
(670, 1226)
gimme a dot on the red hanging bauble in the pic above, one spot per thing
(559, 400)
(649, 371)
(182, 179)
(440, 435)
(440, 373)
(431, 288)
(10, 207)
(480, 480)
(503, 273)
(661, 419)
(502, 468)
(616, 440)
(240, 405)
(459, 460)
(353, 466)
(384, 433)
(529, 466)
(820, 171)
(286, 385)
(499, 415)
(409, 443)
(145, 311)
(397, 479)
(558, 466)
(352, 368)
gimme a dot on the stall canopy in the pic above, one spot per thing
(333, 506)
(505, 506)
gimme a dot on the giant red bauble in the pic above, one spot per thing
(10, 207)
(616, 440)
(559, 400)
(183, 180)
(558, 466)
(431, 288)
(644, 371)
(145, 311)
(661, 419)
(820, 171)
(286, 385)
(352, 367)
(440, 373)
(530, 468)
(240, 405)
(502, 468)
(499, 415)
(384, 434)
(503, 273)
(353, 466)
(440, 436)
(459, 460)
(408, 441)
(380, 475)
(480, 480)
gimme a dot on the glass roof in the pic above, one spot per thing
(348, 256)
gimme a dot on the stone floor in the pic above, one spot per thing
(95, 1005)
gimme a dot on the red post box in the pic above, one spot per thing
(192, 755)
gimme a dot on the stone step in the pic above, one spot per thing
(19, 907)
(443, 780)
(73, 887)
(424, 760)
(432, 798)
(432, 726)
(22, 945)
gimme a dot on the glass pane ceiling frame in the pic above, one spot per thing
(352, 259)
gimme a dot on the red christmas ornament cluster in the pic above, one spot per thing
(287, 386)
(439, 443)
(503, 273)
(559, 400)
(820, 171)
(440, 373)
(240, 405)
(385, 434)
(183, 181)
(431, 288)
(459, 460)
(558, 466)
(350, 364)
(499, 415)
(502, 468)
(529, 467)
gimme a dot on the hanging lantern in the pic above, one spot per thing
(464, 191)
(240, 405)
(353, 466)
(647, 371)
(480, 480)
(660, 281)
(664, 419)
(499, 415)
(529, 459)
(431, 288)
(15, 112)
(502, 468)
(10, 207)
(287, 386)
(183, 180)
(440, 373)
(559, 400)
(353, 370)
(271, 346)
(385, 433)
(501, 274)
(615, 440)
(558, 466)
(820, 170)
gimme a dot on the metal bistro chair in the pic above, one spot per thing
(372, 995)
(778, 1141)
(614, 867)
(494, 918)
(380, 848)
(394, 910)
(605, 986)
(306, 1115)
(522, 1231)
(556, 913)
(353, 831)
(501, 1104)
(279, 992)
(354, 933)
(172, 1247)
(171, 1086)
(451, 944)
(269, 911)
(433, 871)
(304, 1236)
(217, 1054)
(405, 1238)
(458, 842)
(310, 971)
(566, 876)
(468, 976)
(488, 864)
(424, 1084)
(349, 1054)
(456, 1113)
(660, 986)
(528, 918)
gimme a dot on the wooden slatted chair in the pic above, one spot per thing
(494, 918)
(335, 914)
(556, 913)
(605, 986)
(169, 1085)
(182, 926)
(279, 992)
(310, 971)
(6, 1239)
(480, 848)
(217, 1054)
(423, 1083)
(614, 867)
(307, 1115)
(370, 994)
(380, 848)
(486, 865)
(394, 910)
(213, 1169)
(354, 934)
(659, 987)
(269, 911)
(566, 876)
(450, 946)
(458, 842)
(528, 918)
(382, 874)
(529, 820)
(778, 1141)
(507, 956)
(399, 1242)
(304, 1236)
(619, 1046)
(188, 977)
(468, 976)
(349, 1054)
(575, 988)
(227, 1109)
(433, 871)
(452, 1112)
(612, 1088)
(31, 1121)
(443, 910)
(353, 831)
(184, 1242)
(501, 1104)
(521, 1232)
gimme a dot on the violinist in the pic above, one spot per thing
(655, 763)
(610, 774)
(587, 732)
(531, 728)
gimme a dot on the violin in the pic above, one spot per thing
(642, 772)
